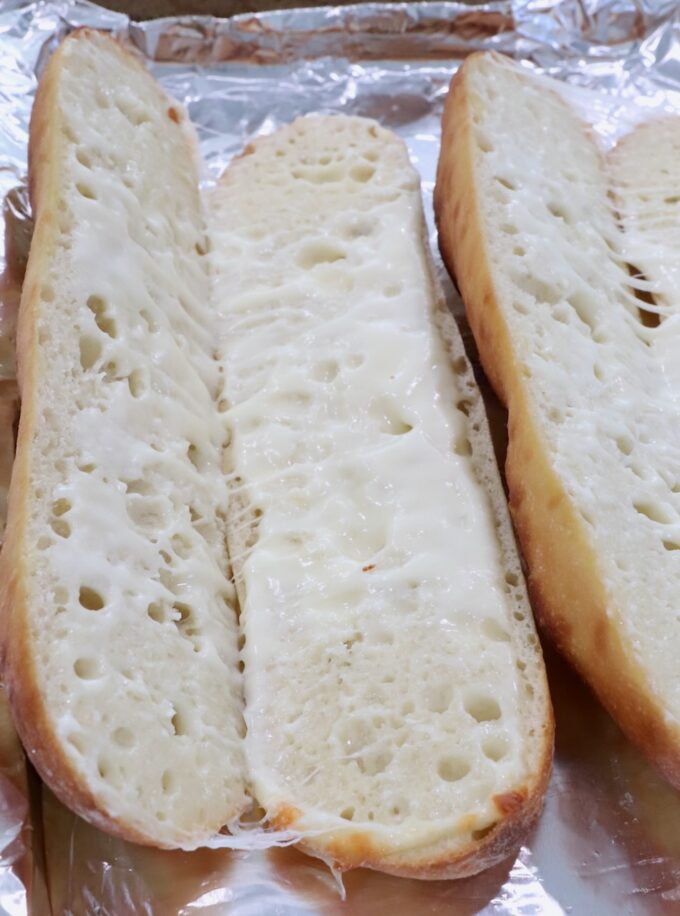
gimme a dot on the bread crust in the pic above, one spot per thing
(566, 582)
(20, 675)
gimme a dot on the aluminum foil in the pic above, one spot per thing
(608, 840)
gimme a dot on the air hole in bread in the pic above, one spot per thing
(452, 769)
(47, 293)
(347, 813)
(392, 290)
(194, 456)
(624, 444)
(136, 383)
(149, 320)
(506, 183)
(325, 371)
(61, 507)
(90, 351)
(124, 737)
(179, 724)
(582, 304)
(519, 251)
(462, 447)
(510, 229)
(156, 612)
(652, 511)
(111, 371)
(359, 227)
(106, 324)
(355, 360)
(316, 253)
(78, 742)
(373, 764)
(493, 630)
(520, 308)
(464, 407)
(482, 832)
(385, 411)
(223, 405)
(147, 512)
(84, 158)
(438, 699)
(599, 372)
(139, 487)
(181, 545)
(484, 143)
(495, 747)
(540, 290)
(481, 707)
(168, 782)
(60, 527)
(135, 114)
(323, 175)
(104, 767)
(85, 190)
(87, 669)
(182, 612)
(511, 579)
(559, 211)
(362, 173)
(671, 545)
(90, 598)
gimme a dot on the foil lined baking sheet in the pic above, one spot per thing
(609, 838)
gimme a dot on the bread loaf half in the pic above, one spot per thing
(527, 226)
(119, 629)
(396, 701)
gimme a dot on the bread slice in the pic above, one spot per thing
(644, 169)
(396, 701)
(526, 225)
(120, 635)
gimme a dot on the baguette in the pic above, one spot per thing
(396, 700)
(119, 626)
(526, 226)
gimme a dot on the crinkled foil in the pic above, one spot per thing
(608, 840)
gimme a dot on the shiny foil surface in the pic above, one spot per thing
(608, 840)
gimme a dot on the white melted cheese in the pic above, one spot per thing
(380, 679)
(133, 609)
(603, 381)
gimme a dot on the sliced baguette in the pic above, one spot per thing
(120, 639)
(526, 225)
(396, 700)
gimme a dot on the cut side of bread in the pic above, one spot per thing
(120, 633)
(397, 708)
(528, 228)
(644, 169)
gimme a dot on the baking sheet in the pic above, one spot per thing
(609, 838)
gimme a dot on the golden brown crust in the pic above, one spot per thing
(565, 579)
(357, 849)
(20, 676)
